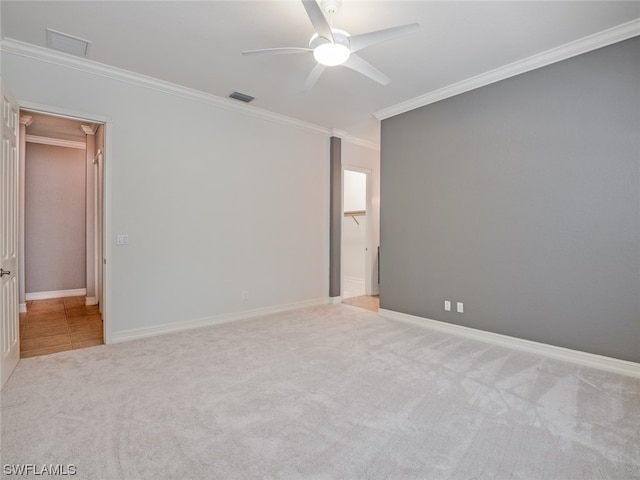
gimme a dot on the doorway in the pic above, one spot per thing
(354, 234)
(61, 212)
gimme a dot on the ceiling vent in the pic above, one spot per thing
(67, 43)
(241, 96)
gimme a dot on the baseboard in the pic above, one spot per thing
(22, 308)
(137, 333)
(615, 365)
(335, 300)
(354, 279)
(91, 301)
(78, 292)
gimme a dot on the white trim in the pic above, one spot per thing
(334, 132)
(335, 300)
(136, 333)
(354, 279)
(22, 308)
(62, 112)
(91, 301)
(563, 52)
(27, 50)
(362, 143)
(615, 365)
(55, 294)
(56, 142)
(106, 300)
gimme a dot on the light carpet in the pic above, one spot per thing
(328, 392)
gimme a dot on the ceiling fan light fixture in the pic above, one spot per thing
(331, 54)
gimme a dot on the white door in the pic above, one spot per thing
(9, 327)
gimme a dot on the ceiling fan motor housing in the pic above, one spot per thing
(339, 36)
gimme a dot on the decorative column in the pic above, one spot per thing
(25, 121)
(335, 225)
(91, 216)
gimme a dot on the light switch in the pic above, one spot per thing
(122, 239)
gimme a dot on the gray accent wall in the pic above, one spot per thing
(335, 208)
(521, 199)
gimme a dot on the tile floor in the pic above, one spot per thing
(59, 324)
(370, 302)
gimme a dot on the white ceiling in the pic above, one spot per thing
(198, 45)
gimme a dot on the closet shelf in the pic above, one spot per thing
(355, 213)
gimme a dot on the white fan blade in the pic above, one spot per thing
(358, 42)
(320, 24)
(277, 51)
(313, 77)
(365, 68)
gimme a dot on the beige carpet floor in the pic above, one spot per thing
(328, 392)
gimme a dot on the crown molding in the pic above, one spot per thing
(56, 142)
(592, 42)
(334, 132)
(16, 47)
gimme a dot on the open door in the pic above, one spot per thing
(9, 319)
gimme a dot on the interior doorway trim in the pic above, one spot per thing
(106, 197)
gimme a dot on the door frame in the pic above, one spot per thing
(106, 196)
(368, 263)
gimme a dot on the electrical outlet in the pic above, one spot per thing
(460, 307)
(447, 305)
(245, 295)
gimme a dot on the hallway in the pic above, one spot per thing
(59, 324)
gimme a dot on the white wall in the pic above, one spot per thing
(215, 201)
(365, 158)
(354, 229)
(353, 247)
(355, 191)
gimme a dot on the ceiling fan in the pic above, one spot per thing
(331, 46)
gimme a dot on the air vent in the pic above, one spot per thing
(67, 43)
(241, 96)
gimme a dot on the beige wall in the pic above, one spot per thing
(55, 245)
